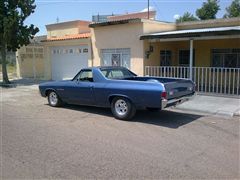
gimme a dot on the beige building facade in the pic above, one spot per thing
(119, 42)
(30, 59)
(125, 34)
(67, 49)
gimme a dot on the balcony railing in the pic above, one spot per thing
(208, 79)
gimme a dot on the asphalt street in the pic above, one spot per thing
(38, 141)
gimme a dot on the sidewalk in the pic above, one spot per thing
(22, 82)
(214, 105)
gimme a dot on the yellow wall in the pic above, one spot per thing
(155, 26)
(26, 64)
(202, 50)
(67, 28)
(62, 32)
(119, 36)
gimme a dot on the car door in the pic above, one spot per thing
(82, 92)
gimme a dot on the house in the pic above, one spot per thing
(208, 52)
(67, 49)
(202, 51)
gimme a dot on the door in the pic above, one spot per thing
(82, 91)
(68, 60)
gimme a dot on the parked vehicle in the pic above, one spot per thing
(118, 88)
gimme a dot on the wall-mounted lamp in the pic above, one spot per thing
(148, 52)
(151, 48)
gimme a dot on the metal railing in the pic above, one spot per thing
(208, 79)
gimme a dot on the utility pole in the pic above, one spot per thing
(148, 9)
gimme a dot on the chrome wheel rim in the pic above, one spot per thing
(53, 98)
(121, 107)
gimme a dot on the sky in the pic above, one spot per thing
(48, 11)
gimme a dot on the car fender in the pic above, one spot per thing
(110, 97)
(49, 89)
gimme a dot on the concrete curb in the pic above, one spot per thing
(215, 113)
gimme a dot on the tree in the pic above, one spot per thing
(13, 32)
(233, 10)
(186, 17)
(208, 10)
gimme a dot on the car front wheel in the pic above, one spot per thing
(53, 99)
(122, 108)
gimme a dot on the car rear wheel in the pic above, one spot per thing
(122, 108)
(53, 99)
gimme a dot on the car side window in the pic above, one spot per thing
(85, 76)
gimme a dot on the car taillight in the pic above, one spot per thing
(164, 95)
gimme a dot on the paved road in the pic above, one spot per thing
(79, 142)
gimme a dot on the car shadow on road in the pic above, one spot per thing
(163, 118)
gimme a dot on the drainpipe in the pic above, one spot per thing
(191, 60)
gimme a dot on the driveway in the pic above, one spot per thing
(85, 142)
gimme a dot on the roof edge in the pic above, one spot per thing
(192, 32)
(209, 21)
(108, 23)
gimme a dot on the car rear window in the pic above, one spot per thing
(120, 73)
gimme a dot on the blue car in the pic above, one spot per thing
(119, 89)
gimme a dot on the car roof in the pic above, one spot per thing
(111, 67)
(104, 67)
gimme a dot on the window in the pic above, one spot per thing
(117, 73)
(115, 57)
(70, 51)
(65, 51)
(85, 75)
(58, 51)
(78, 51)
(165, 58)
(184, 56)
(229, 58)
(85, 50)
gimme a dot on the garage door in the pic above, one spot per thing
(68, 60)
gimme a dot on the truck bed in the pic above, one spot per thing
(175, 87)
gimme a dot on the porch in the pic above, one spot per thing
(210, 57)
(225, 81)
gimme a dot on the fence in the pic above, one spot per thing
(208, 79)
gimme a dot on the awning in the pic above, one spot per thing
(191, 33)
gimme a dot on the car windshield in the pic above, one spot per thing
(117, 73)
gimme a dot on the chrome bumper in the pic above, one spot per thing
(174, 102)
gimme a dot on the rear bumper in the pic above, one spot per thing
(173, 102)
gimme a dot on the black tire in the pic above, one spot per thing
(53, 99)
(122, 108)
